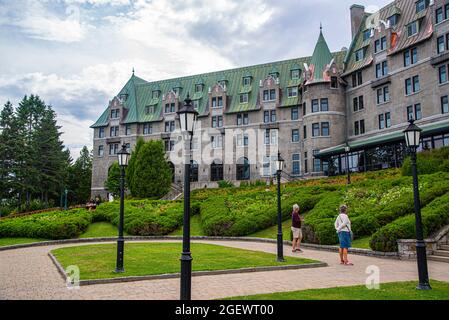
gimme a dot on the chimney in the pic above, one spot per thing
(357, 13)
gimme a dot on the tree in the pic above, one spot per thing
(132, 166)
(79, 177)
(152, 175)
(112, 184)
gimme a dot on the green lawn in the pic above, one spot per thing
(272, 232)
(13, 241)
(195, 227)
(101, 229)
(361, 243)
(387, 291)
(98, 261)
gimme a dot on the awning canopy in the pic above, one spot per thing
(397, 136)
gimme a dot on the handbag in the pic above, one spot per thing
(350, 231)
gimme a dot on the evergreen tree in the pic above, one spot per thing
(112, 184)
(80, 177)
(152, 175)
(132, 166)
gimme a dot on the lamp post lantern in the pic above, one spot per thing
(123, 157)
(347, 150)
(280, 247)
(187, 119)
(412, 139)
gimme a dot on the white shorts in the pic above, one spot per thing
(297, 233)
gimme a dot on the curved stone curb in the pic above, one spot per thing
(177, 275)
(357, 251)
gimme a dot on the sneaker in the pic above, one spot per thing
(298, 250)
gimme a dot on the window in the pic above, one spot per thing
(127, 129)
(244, 98)
(361, 103)
(380, 44)
(357, 79)
(383, 95)
(113, 149)
(358, 103)
(292, 92)
(295, 135)
(381, 121)
(295, 113)
(316, 162)
(334, 83)
(446, 9)
(170, 108)
(306, 167)
(304, 109)
(266, 116)
(149, 109)
(444, 105)
(324, 105)
(381, 69)
(101, 132)
(359, 127)
(410, 57)
(242, 140)
(414, 112)
(421, 5)
(439, 15)
(305, 132)
(246, 81)
(359, 54)
(169, 145)
(412, 85)
(412, 28)
(356, 128)
(114, 131)
(156, 94)
(388, 119)
(366, 34)
(440, 45)
(169, 126)
(115, 113)
(295, 74)
(362, 126)
(217, 121)
(393, 20)
(273, 115)
(315, 130)
(442, 73)
(271, 137)
(100, 151)
(296, 163)
(196, 104)
(217, 102)
(243, 169)
(147, 128)
(325, 129)
(269, 95)
(217, 142)
(384, 120)
(242, 119)
(315, 106)
(199, 88)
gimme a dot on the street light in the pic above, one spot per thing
(123, 157)
(279, 169)
(187, 118)
(347, 150)
(412, 139)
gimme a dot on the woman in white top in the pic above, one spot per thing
(343, 227)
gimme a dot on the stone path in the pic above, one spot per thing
(28, 273)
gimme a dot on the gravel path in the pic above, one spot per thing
(28, 273)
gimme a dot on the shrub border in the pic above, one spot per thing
(63, 274)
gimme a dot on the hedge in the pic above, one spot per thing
(434, 216)
(429, 162)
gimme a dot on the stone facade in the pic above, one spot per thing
(303, 107)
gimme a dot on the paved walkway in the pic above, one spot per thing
(28, 273)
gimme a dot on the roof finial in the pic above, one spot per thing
(321, 27)
(133, 70)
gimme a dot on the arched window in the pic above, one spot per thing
(243, 169)
(216, 171)
(193, 171)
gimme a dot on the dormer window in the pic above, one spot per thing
(393, 20)
(275, 75)
(196, 104)
(222, 83)
(115, 113)
(199, 88)
(149, 109)
(123, 97)
(246, 81)
(422, 5)
(244, 98)
(359, 54)
(292, 92)
(217, 102)
(177, 90)
(334, 83)
(295, 74)
(413, 28)
(156, 94)
(170, 108)
(367, 34)
(269, 95)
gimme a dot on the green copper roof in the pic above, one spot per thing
(321, 58)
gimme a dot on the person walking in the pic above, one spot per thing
(343, 227)
(296, 229)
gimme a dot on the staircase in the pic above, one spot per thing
(442, 254)
(174, 193)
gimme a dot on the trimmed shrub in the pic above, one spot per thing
(434, 216)
(429, 162)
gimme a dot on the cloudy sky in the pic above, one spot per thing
(77, 54)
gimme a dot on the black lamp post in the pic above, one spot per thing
(187, 119)
(412, 140)
(347, 150)
(279, 169)
(123, 157)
